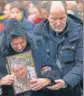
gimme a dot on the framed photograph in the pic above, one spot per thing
(23, 67)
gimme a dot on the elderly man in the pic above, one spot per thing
(64, 43)
(19, 69)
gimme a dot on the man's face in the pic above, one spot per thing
(19, 44)
(57, 19)
(20, 71)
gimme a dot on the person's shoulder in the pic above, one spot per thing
(42, 23)
(42, 28)
(75, 30)
(35, 37)
(74, 25)
(75, 19)
(35, 40)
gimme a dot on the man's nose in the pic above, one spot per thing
(58, 22)
(20, 72)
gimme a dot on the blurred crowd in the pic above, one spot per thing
(32, 12)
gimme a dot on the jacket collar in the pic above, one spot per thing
(72, 30)
(67, 32)
(45, 29)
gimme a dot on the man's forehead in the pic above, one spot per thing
(17, 66)
(57, 14)
(58, 11)
(56, 5)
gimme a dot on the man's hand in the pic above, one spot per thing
(59, 84)
(45, 69)
(37, 84)
(7, 80)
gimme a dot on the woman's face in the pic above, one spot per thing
(16, 13)
(19, 44)
(6, 11)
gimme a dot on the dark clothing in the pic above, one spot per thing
(34, 43)
(7, 90)
(28, 25)
(76, 19)
(43, 93)
(68, 92)
(66, 49)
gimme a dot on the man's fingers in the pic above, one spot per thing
(33, 85)
(54, 87)
(58, 81)
(35, 88)
(33, 81)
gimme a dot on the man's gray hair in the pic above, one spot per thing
(18, 61)
(47, 5)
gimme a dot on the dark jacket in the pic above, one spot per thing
(76, 19)
(65, 47)
(35, 43)
(28, 25)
